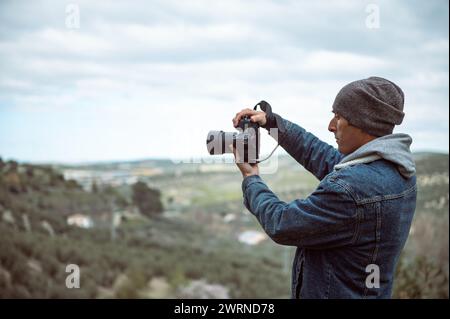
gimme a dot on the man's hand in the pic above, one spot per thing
(255, 116)
(246, 169)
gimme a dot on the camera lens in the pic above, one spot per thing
(217, 142)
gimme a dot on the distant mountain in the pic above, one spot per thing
(429, 163)
(168, 165)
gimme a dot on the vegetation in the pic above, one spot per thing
(32, 262)
(161, 255)
(423, 269)
(147, 199)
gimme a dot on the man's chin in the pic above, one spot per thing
(343, 151)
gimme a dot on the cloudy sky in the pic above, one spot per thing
(140, 79)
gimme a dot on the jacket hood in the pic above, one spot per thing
(392, 147)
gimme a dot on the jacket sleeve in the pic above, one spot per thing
(326, 219)
(316, 156)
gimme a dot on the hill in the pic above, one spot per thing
(193, 248)
(155, 257)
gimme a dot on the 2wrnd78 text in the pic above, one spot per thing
(253, 308)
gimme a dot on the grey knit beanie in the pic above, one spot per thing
(375, 105)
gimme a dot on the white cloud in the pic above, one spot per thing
(343, 62)
(436, 46)
(135, 69)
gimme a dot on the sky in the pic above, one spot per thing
(123, 80)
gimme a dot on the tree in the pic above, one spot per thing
(94, 187)
(148, 200)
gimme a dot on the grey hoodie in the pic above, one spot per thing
(392, 147)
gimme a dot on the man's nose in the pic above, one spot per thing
(332, 125)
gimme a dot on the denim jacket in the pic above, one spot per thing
(350, 231)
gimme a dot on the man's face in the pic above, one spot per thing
(348, 137)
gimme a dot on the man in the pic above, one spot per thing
(350, 231)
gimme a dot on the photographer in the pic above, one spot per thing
(350, 231)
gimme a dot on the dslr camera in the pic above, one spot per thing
(245, 141)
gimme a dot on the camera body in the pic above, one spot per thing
(246, 141)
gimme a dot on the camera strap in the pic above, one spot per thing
(273, 121)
